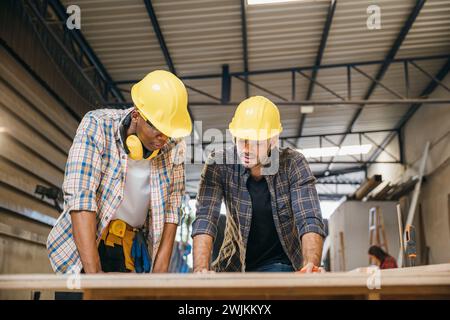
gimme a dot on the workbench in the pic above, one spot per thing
(408, 283)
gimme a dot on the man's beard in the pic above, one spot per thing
(252, 162)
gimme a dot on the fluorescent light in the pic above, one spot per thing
(320, 152)
(252, 2)
(336, 151)
(357, 149)
(307, 109)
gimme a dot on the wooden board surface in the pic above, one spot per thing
(431, 281)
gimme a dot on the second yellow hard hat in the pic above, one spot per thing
(256, 118)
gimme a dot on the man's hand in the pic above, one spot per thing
(202, 252)
(203, 271)
(311, 268)
(312, 252)
(84, 229)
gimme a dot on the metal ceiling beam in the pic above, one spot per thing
(301, 68)
(331, 196)
(206, 94)
(388, 60)
(340, 172)
(159, 35)
(339, 183)
(261, 88)
(324, 103)
(396, 46)
(322, 46)
(391, 55)
(425, 93)
(320, 52)
(225, 94)
(438, 82)
(81, 41)
(316, 135)
(442, 73)
(245, 44)
(312, 80)
(353, 162)
(162, 43)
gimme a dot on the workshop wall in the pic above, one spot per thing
(429, 123)
(35, 136)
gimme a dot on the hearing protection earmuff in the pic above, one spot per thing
(133, 146)
(136, 149)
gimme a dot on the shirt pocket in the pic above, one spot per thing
(109, 183)
(110, 174)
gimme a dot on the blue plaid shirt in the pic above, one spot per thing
(295, 203)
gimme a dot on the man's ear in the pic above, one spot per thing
(134, 115)
(274, 141)
(134, 122)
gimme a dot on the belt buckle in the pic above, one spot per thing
(118, 228)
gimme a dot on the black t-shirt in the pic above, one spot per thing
(263, 246)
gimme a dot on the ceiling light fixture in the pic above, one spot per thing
(336, 151)
(306, 109)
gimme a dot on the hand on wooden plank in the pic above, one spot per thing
(311, 268)
(203, 271)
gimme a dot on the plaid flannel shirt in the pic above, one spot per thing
(94, 181)
(295, 203)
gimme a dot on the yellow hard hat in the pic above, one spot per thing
(161, 98)
(256, 118)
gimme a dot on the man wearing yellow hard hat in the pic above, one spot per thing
(274, 222)
(124, 182)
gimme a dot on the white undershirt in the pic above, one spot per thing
(136, 194)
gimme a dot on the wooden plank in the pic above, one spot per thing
(367, 187)
(270, 293)
(342, 251)
(418, 269)
(223, 280)
(29, 137)
(423, 282)
(17, 76)
(400, 228)
(22, 109)
(414, 200)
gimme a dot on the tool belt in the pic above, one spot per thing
(120, 233)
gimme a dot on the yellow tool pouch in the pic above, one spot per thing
(120, 233)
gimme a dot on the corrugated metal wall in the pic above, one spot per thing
(17, 33)
(35, 136)
(36, 131)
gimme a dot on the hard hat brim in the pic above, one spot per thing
(254, 135)
(182, 131)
